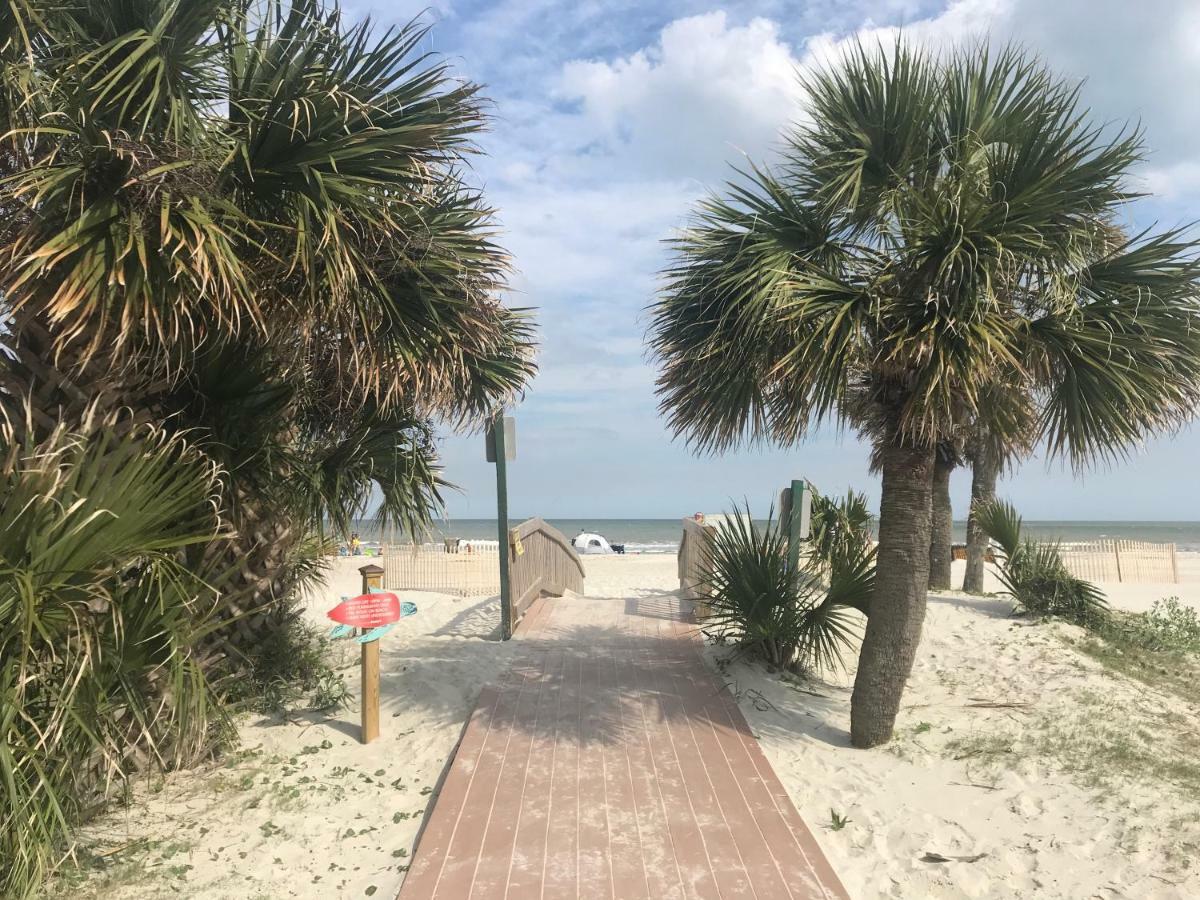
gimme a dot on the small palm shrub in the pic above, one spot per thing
(100, 626)
(797, 619)
(1034, 574)
(840, 529)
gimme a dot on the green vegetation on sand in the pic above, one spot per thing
(237, 245)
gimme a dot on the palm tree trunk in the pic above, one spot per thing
(901, 587)
(985, 469)
(942, 526)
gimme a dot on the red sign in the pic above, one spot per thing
(367, 610)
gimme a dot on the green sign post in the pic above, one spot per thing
(795, 515)
(501, 447)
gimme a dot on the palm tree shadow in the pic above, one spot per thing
(652, 605)
(989, 607)
(480, 619)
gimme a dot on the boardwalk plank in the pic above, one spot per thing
(609, 763)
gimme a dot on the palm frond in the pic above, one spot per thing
(1001, 522)
(938, 235)
(99, 624)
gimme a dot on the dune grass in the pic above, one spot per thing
(1101, 737)
(1159, 648)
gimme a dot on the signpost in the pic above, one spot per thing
(795, 514)
(502, 447)
(374, 611)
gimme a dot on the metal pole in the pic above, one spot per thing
(502, 525)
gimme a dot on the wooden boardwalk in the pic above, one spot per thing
(610, 764)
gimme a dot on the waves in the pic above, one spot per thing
(651, 547)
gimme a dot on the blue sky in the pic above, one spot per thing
(611, 118)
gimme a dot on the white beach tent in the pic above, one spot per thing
(589, 542)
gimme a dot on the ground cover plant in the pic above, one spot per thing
(1160, 647)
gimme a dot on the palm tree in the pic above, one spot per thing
(986, 463)
(248, 221)
(941, 530)
(931, 228)
(239, 235)
(996, 442)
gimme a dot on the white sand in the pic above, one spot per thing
(1047, 831)
(307, 811)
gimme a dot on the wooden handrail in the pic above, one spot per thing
(548, 565)
(694, 550)
(529, 526)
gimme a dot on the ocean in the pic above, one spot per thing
(662, 535)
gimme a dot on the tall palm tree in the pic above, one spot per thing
(931, 228)
(248, 220)
(946, 459)
(987, 460)
(996, 442)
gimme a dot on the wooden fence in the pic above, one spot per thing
(1122, 561)
(468, 570)
(695, 548)
(541, 562)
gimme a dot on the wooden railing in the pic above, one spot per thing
(546, 565)
(695, 551)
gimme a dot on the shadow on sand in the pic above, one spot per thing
(989, 607)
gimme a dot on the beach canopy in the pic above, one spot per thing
(588, 542)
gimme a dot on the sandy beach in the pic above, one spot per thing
(999, 765)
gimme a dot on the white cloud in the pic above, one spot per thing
(709, 90)
(961, 21)
(704, 92)
(1173, 181)
(571, 239)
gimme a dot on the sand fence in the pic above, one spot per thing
(1129, 562)
(464, 569)
(1135, 562)
(541, 561)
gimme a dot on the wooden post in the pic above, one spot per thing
(372, 577)
(1117, 555)
(1174, 566)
